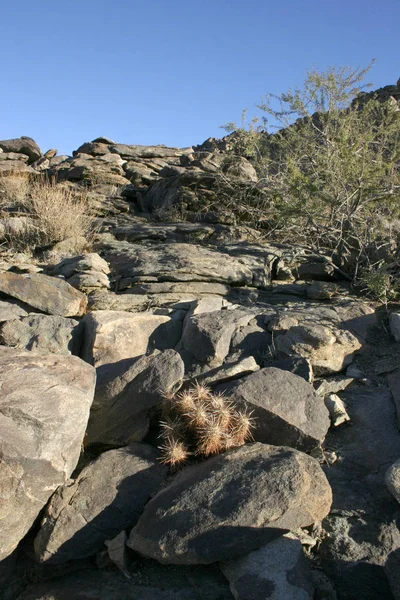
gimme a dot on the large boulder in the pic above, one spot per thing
(107, 497)
(44, 409)
(285, 407)
(127, 392)
(23, 145)
(111, 336)
(232, 504)
(48, 294)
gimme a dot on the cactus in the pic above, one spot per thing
(197, 422)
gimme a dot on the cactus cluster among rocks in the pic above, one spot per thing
(197, 422)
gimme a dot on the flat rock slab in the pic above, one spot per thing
(49, 333)
(11, 310)
(107, 497)
(111, 336)
(286, 409)
(277, 571)
(232, 504)
(48, 294)
(176, 262)
(44, 408)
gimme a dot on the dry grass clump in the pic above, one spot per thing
(197, 422)
(55, 212)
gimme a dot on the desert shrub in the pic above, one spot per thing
(14, 190)
(197, 422)
(56, 212)
(330, 174)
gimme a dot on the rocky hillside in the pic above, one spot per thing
(170, 295)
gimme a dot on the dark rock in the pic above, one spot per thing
(22, 145)
(126, 393)
(107, 497)
(232, 504)
(286, 409)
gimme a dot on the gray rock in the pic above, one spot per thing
(47, 294)
(11, 310)
(329, 350)
(392, 480)
(107, 497)
(332, 385)
(88, 281)
(111, 336)
(228, 371)
(44, 409)
(48, 333)
(299, 366)
(79, 264)
(232, 504)
(277, 571)
(286, 409)
(207, 336)
(22, 145)
(394, 324)
(337, 410)
(126, 393)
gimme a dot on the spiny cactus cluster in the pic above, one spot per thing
(197, 422)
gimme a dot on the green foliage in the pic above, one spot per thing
(331, 173)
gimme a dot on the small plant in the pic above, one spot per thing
(197, 422)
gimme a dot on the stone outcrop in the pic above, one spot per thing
(154, 308)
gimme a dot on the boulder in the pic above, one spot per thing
(232, 504)
(127, 392)
(23, 145)
(81, 264)
(48, 333)
(392, 480)
(111, 336)
(285, 407)
(207, 336)
(107, 497)
(277, 571)
(48, 294)
(44, 409)
(328, 349)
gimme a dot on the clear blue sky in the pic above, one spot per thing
(172, 71)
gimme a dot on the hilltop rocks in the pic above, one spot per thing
(47, 294)
(44, 409)
(286, 409)
(107, 497)
(232, 504)
(23, 145)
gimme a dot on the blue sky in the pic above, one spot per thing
(172, 71)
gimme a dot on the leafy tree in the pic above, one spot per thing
(330, 175)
